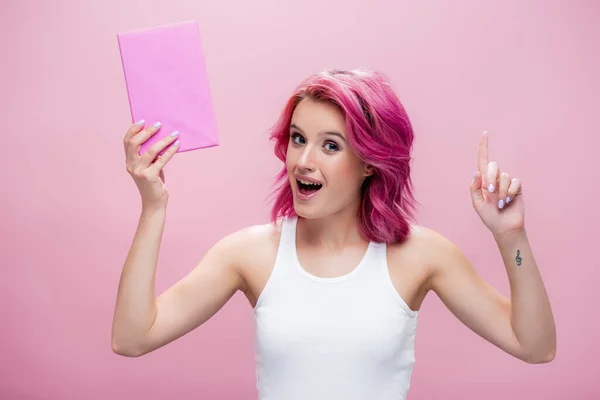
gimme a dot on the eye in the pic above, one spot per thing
(332, 146)
(297, 138)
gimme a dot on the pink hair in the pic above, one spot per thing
(380, 133)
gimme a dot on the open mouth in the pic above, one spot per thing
(307, 188)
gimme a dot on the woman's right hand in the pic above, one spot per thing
(147, 169)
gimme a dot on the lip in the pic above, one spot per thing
(308, 179)
(306, 197)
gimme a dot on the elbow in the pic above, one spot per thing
(125, 351)
(541, 358)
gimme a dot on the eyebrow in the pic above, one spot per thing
(332, 133)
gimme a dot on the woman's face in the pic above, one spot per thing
(325, 173)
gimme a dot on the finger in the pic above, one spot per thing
(134, 144)
(476, 193)
(132, 131)
(503, 189)
(150, 155)
(492, 176)
(482, 156)
(513, 189)
(164, 158)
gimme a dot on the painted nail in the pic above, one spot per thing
(501, 204)
(176, 143)
(175, 133)
(507, 199)
(475, 175)
(491, 188)
(140, 122)
(157, 124)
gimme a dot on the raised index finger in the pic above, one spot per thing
(482, 156)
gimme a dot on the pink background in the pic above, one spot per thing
(527, 71)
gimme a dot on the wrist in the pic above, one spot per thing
(153, 209)
(510, 236)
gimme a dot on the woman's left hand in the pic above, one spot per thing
(497, 198)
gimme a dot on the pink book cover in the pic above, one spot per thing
(166, 79)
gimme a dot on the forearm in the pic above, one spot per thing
(135, 307)
(531, 316)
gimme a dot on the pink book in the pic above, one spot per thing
(166, 80)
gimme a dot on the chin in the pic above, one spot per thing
(309, 211)
(306, 212)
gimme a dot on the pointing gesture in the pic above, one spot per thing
(497, 199)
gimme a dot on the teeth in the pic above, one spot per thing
(308, 183)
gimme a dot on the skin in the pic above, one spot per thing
(329, 245)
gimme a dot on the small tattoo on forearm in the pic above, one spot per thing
(519, 259)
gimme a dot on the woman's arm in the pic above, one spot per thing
(532, 318)
(135, 308)
(522, 326)
(143, 322)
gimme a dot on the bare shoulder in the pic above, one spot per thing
(418, 247)
(252, 235)
(432, 245)
(414, 262)
(424, 237)
(253, 250)
(255, 238)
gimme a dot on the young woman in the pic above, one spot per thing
(337, 278)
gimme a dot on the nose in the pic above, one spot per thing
(305, 161)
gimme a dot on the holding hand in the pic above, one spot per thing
(147, 169)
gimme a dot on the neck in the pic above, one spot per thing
(333, 231)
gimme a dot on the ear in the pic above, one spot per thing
(367, 170)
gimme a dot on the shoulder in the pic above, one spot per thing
(251, 239)
(422, 243)
(426, 249)
(250, 248)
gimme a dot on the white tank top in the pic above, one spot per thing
(350, 337)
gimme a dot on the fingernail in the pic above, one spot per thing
(475, 175)
(501, 204)
(175, 133)
(157, 124)
(140, 122)
(176, 143)
(491, 188)
(507, 199)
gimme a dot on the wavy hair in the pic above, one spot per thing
(380, 133)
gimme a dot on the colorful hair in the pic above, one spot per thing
(380, 133)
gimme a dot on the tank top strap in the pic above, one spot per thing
(282, 269)
(382, 270)
(376, 260)
(287, 243)
(288, 234)
(379, 255)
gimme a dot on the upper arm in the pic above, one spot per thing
(200, 294)
(471, 299)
